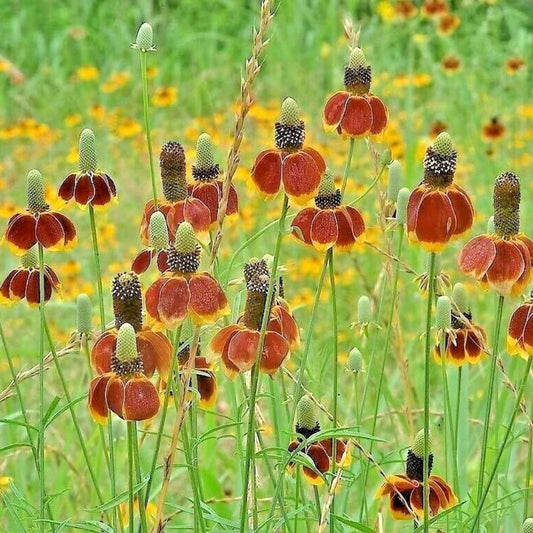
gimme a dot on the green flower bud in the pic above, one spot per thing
(443, 144)
(185, 239)
(35, 192)
(126, 344)
(204, 152)
(418, 445)
(30, 259)
(327, 185)
(87, 151)
(527, 526)
(460, 297)
(290, 114)
(306, 415)
(490, 225)
(364, 313)
(355, 361)
(145, 38)
(444, 313)
(84, 314)
(386, 157)
(158, 231)
(401, 205)
(357, 58)
(395, 180)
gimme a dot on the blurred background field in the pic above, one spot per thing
(65, 66)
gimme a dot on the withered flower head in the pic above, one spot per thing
(172, 165)
(506, 202)
(127, 300)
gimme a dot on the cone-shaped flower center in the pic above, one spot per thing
(440, 162)
(256, 298)
(255, 267)
(127, 300)
(84, 314)
(35, 192)
(507, 204)
(444, 313)
(87, 151)
(184, 256)
(414, 464)
(328, 197)
(158, 231)
(355, 360)
(30, 259)
(126, 360)
(289, 133)
(172, 165)
(205, 168)
(306, 417)
(460, 297)
(395, 178)
(358, 73)
(145, 37)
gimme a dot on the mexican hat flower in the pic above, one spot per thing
(520, 331)
(405, 491)
(463, 340)
(154, 348)
(208, 186)
(158, 232)
(329, 224)
(439, 211)
(501, 259)
(177, 206)
(290, 165)
(52, 230)
(319, 451)
(125, 390)
(356, 112)
(238, 344)
(23, 283)
(182, 291)
(88, 186)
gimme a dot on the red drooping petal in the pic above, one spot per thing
(301, 177)
(103, 350)
(345, 238)
(20, 233)
(412, 207)
(66, 189)
(507, 267)
(156, 352)
(266, 172)
(324, 229)
(162, 261)
(303, 221)
(275, 351)
(84, 189)
(197, 214)
(242, 349)
(233, 200)
(357, 118)
(226, 334)
(102, 192)
(5, 295)
(18, 284)
(173, 302)
(317, 158)
(97, 399)
(477, 256)
(142, 261)
(207, 383)
(207, 301)
(209, 195)
(33, 295)
(321, 461)
(114, 394)
(334, 110)
(49, 231)
(222, 337)
(141, 400)
(379, 115)
(463, 209)
(288, 327)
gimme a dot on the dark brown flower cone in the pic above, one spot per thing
(172, 165)
(507, 204)
(127, 300)
(255, 301)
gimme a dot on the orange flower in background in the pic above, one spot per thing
(514, 65)
(493, 130)
(329, 223)
(439, 211)
(125, 390)
(89, 186)
(183, 291)
(165, 96)
(356, 112)
(451, 63)
(52, 230)
(290, 165)
(178, 206)
(464, 343)
(207, 186)
(154, 348)
(520, 331)
(237, 344)
(405, 491)
(434, 8)
(437, 128)
(405, 9)
(23, 283)
(501, 259)
(448, 23)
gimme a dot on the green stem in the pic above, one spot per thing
(96, 253)
(144, 79)
(370, 187)
(131, 526)
(488, 404)
(164, 412)
(431, 291)
(317, 503)
(132, 429)
(42, 487)
(516, 410)
(335, 378)
(347, 166)
(255, 370)
(527, 483)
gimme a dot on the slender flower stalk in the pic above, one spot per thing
(249, 451)
(348, 165)
(134, 444)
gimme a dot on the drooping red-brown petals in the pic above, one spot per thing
(436, 216)
(465, 345)
(88, 188)
(324, 228)
(132, 398)
(24, 283)
(501, 264)
(206, 382)
(97, 399)
(210, 194)
(299, 172)
(144, 258)
(51, 229)
(355, 115)
(173, 297)
(282, 322)
(154, 349)
(402, 490)
(190, 210)
(520, 331)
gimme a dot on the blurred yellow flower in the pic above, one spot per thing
(127, 127)
(165, 96)
(116, 81)
(448, 23)
(325, 50)
(87, 73)
(4, 483)
(152, 72)
(151, 512)
(73, 119)
(385, 10)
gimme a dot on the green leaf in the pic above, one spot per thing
(440, 515)
(17, 423)
(50, 410)
(16, 520)
(356, 525)
(66, 407)
(117, 500)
